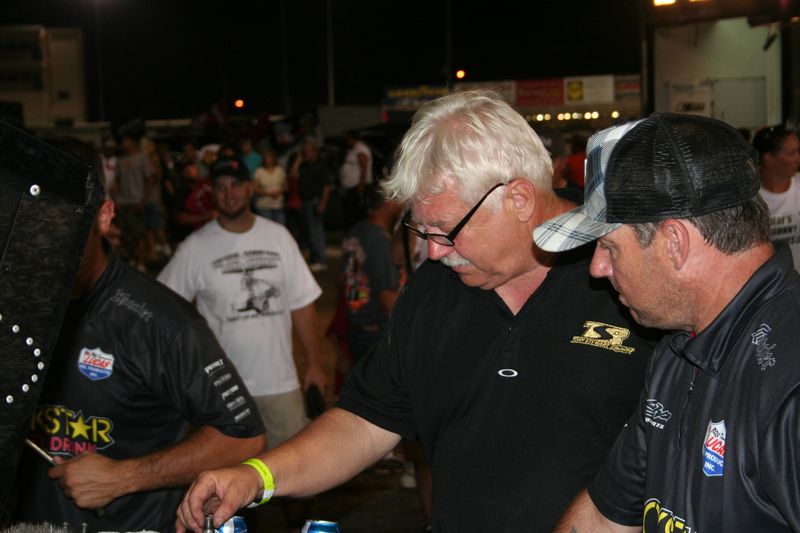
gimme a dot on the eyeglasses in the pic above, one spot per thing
(450, 238)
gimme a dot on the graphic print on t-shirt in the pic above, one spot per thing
(257, 294)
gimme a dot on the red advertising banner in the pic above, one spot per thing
(545, 92)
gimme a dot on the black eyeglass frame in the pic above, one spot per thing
(450, 238)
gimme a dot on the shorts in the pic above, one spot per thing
(283, 415)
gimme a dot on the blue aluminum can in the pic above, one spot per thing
(320, 526)
(234, 525)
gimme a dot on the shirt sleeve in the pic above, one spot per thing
(618, 490)
(178, 274)
(200, 381)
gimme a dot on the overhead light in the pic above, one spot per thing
(658, 3)
(615, 114)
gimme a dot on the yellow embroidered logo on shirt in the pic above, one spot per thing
(604, 336)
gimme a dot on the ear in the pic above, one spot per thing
(677, 242)
(521, 198)
(105, 214)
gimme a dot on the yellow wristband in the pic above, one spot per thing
(266, 475)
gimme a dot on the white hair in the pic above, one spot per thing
(472, 139)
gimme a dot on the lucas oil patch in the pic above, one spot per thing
(95, 364)
(714, 449)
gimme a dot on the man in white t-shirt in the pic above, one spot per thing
(354, 175)
(248, 279)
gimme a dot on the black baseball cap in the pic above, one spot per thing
(229, 166)
(665, 166)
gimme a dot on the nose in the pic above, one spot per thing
(600, 266)
(436, 251)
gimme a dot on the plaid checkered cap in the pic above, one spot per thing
(587, 222)
(667, 165)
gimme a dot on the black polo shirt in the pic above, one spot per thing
(516, 413)
(714, 445)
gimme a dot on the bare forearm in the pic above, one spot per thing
(331, 450)
(304, 321)
(203, 449)
(583, 517)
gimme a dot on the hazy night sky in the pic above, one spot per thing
(170, 59)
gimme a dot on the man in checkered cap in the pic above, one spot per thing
(683, 236)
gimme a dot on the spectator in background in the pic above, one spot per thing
(250, 282)
(193, 204)
(354, 176)
(130, 194)
(553, 141)
(369, 274)
(576, 162)
(108, 157)
(156, 245)
(315, 183)
(251, 157)
(779, 157)
(270, 185)
(206, 157)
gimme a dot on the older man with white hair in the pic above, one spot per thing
(513, 370)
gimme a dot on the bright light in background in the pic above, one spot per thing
(460, 74)
(540, 117)
(587, 115)
(576, 115)
(238, 103)
(595, 114)
(663, 2)
(547, 116)
(615, 114)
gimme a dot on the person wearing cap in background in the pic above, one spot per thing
(683, 236)
(511, 366)
(140, 398)
(779, 157)
(248, 279)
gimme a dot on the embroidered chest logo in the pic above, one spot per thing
(95, 364)
(714, 449)
(764, 356)
(604, 336)
(655, 414)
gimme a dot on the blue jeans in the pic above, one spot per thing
(316, 231)
(276, 215)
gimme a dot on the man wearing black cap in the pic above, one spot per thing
(248, 278)
(684, 238)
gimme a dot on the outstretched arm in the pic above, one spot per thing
(583, 517)
(93, 480)
(329, 451)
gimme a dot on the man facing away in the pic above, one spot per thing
(513, 370)
(684, 238)
(140, 398)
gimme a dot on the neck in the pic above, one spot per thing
(535, 262)
(731, 274)
(773, 182)
(238, 224)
